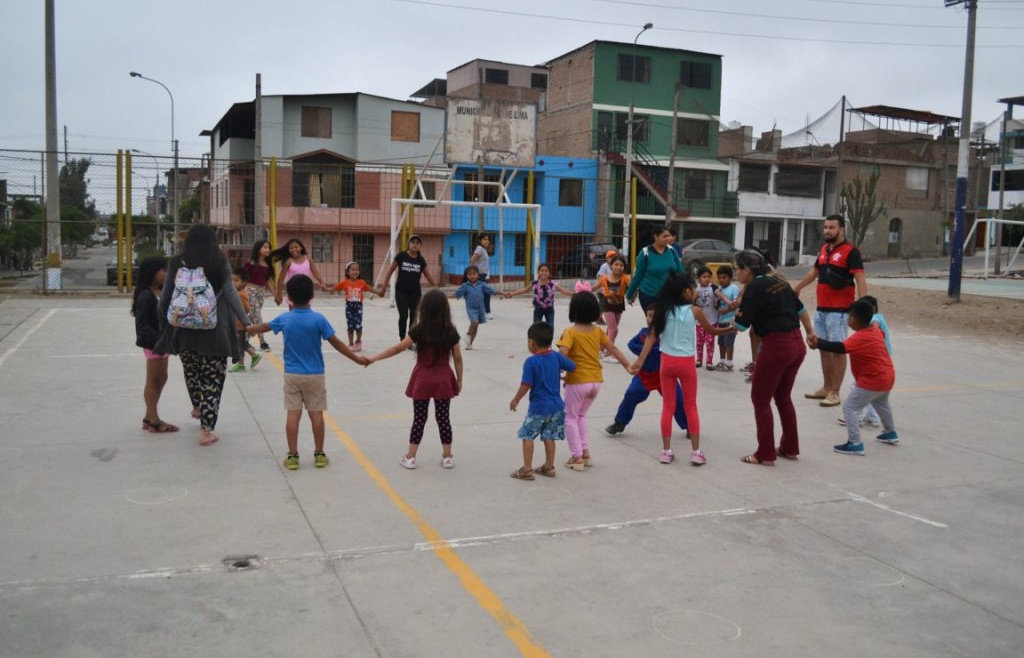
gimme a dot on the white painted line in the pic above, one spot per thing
(861, 499)
(31, 331)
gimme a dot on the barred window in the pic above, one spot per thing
(630, 67)
(570, 192)
(324, 185)
(323, 248)
(754, 178)
(696, 75)
(692, 132)
(798, 181)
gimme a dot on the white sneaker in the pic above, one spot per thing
(490, 317)
(447, 462)
(469, 344)
(408, 462)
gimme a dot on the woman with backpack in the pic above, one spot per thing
(653, 265)
(198, 309)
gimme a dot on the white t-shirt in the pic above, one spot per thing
(483, 260)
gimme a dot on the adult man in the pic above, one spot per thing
(839, 270)
(410, 265)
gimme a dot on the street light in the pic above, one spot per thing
(174, 147)
(626, 196)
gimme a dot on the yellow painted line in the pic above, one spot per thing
(511, 625)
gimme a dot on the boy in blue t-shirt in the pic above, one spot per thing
(304, 329)
(728, 296)
(546, 415)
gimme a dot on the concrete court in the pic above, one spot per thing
(112, 540)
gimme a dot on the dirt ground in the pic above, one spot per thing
(928, 310)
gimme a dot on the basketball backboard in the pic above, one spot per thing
(490, 132)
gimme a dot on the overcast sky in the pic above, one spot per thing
(784, 61)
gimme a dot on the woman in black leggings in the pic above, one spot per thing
(410, 265)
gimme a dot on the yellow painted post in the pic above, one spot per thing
(120, 221)
(272, 234)
(632, 224)
(129, 257)
(530, 237)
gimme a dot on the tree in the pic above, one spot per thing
(24, 234)
(77, 209)
(863, 206)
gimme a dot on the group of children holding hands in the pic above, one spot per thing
(682, 324)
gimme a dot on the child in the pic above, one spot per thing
(870, 417)
(544, 289)
(260, 267)
(294, 261)
(728, 296)
(546, 414)
(152, 271)
(873, 376)
(612, 287)
(239, 279)
(707, 302)
(674, 325)
(582, 343)
(475, 291)
(645, 381)
(436, 342)
(304, 329)
(353, 287)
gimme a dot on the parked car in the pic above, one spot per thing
(584, 260)
(112, 273)
(697, 252)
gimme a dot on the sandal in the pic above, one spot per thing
(586, 461)
(159, 427)
(575, 465)
(522, 473)
(751, 459)
(791, 458)
(546, 471)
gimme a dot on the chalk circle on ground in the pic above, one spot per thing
(119, 392)
(10, 453)
(689, 626)
(868, 571)
(155, 495)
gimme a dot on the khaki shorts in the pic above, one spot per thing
(308, 390)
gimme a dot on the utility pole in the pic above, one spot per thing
(670, 210)
(956, 248)
(626, 195)
(257, 159)
(52, 279)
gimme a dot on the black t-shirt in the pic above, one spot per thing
(769, 306)
(410, 269)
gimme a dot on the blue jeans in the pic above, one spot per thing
(544, 315)
(487, 295)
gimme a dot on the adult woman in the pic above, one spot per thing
(204, 352)
(260, 267)
(411, 266)
(481, 258)
(771, 308)
(653, 265)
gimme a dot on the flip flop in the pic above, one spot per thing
(160, 427)
(751, 459)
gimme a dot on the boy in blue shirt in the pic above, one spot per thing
(728, 296)
(304, 329)
(546, 415)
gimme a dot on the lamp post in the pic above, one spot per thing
(174, 147)
(626, 196)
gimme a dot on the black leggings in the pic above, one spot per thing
(407, 303)
(204, 379)
(420, 411)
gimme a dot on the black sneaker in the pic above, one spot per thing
(614, 429)
(264, 347)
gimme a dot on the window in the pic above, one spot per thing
(570, 192)
(429, 190)
(1014, 180)
(692, 132)
(323, 248)
(640, 126)
(471, 192)
(496, 76)
(917, 182)
(630, 68)
(754, 178)
(362, 253)
(697, 185)
(519, 257)
(316, 122)
(696, 75)
(604, 131)
(323, 185)
(539, 80)
(405, 126)
(798, 181)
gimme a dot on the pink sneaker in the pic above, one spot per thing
(667, 456)
(697, 458)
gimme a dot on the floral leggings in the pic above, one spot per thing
(204, 379)
(420, 411)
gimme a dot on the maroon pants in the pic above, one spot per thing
(778, 361)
